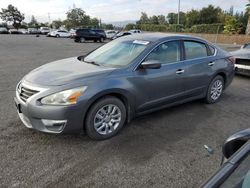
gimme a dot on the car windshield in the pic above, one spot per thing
(118, 53)
(240, 178)
(247, 46)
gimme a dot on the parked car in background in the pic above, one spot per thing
(242, 60)
(14, 31)
(72, 33)
(110, 33)
(33, 31)
(83, 35)
(135, 31)
(23, 31)
(4, 30)
(121, 34)
(60, 34)
(101, 32)
(101, 91)
(44, 30)
(235, 171)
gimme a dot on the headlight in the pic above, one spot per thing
(66, 97)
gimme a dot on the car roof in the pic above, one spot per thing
(153, 37)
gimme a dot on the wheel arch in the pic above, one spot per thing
(126, 98)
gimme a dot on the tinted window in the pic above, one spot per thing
(168, 52)
(247, 46)
(195, 49)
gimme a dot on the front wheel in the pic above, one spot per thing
(57, 36)
(105, 118)
(101, 40)
(215, 90)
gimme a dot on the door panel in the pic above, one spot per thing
(156, 87)
(198, 67)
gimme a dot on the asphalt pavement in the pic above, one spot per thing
(161, 149)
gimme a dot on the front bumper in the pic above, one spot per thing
(242, 69)
(51, 119)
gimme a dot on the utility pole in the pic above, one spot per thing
(49, 17)
(178, 19)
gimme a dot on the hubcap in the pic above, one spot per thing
(216, 89)
(107, 119)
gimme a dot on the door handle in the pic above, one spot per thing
(180, 71)
(211, 64)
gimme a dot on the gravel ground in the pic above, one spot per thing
(162, 149)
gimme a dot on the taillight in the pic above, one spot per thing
(231, 60)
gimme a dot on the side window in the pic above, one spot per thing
(168, 52)
(195, 49)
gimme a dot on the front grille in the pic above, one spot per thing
(25, 93)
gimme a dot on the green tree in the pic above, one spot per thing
(94, 22)
(248, 22)
(192, 18)
(153, 20)
(232, 25)
(143, 19)
(13, 15)
(77, 18)
(172, 18)
(210, 15)
(57, 24)
(162, 19)
(33, 22)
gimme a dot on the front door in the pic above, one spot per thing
(162, 86)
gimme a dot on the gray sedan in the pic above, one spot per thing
(133, 75)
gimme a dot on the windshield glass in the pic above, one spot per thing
(117, 53)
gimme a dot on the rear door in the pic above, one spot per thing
(199, 64)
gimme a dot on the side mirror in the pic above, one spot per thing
(152, 64)
(234, 142)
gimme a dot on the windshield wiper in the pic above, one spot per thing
(92, 62)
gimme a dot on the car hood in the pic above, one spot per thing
(65, 71)
(242, 53)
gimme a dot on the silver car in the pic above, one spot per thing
(242, 60)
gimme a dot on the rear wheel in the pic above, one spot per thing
(101, 40)
(215, 90)
(105, 118)
(82, 40)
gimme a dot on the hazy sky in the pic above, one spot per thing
(112, 10)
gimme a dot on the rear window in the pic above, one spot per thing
(195, 49)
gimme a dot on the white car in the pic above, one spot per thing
(135, 31)
(23, 31)
(110, 33)
(60, 33)
(44, 30)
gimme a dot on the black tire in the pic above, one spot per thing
(82, 40)
(101, 39)
(57, 36)
(89, 123)
(95, 40)
(208, 99)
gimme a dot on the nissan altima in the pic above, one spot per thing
(101, 91)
